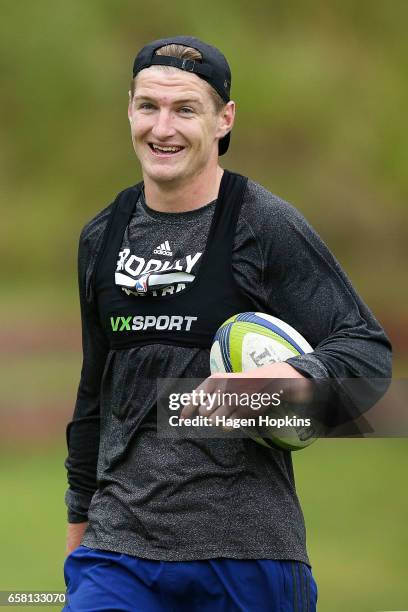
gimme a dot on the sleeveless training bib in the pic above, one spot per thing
(189, 318)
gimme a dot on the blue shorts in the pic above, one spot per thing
(99, 580)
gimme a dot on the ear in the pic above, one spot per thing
(226, 119)
(130, 107)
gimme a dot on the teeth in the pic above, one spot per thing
(167, 149)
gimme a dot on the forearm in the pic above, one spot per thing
(297, 388)
(273, 370)
(75, 532)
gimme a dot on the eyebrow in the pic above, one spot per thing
(178, 101)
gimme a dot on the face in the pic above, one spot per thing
(175, 128)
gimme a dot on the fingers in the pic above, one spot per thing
(205, 399)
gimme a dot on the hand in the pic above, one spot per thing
(258, 381)
(74, 535)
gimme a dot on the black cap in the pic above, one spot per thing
(213, 67)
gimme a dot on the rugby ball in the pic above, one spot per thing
(253, 339)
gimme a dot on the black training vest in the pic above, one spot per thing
(191, 317)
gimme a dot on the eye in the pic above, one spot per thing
(145, 106)
(186, 110)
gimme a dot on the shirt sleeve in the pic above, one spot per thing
(300, 281)
(82, 432)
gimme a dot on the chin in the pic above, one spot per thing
(165, 175)
(162, 176)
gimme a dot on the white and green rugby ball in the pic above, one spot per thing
(253, 339)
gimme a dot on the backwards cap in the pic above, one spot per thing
(213, 67)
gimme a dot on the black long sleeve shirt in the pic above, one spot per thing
(196, 499)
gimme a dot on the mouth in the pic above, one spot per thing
(165, 151)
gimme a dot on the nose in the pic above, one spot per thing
(163, 127)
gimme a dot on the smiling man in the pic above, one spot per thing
(176, 128)
(159, 524)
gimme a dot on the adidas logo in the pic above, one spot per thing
(163, 249)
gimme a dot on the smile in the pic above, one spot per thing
(165, 151)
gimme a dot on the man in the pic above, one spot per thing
(190, 524)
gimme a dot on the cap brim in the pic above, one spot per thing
(224, 143)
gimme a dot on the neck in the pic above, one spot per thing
(183, 196)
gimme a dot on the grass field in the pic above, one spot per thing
(355, 503)
(353, 493)
(32, 532)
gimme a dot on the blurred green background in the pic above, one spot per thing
(322, 91)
